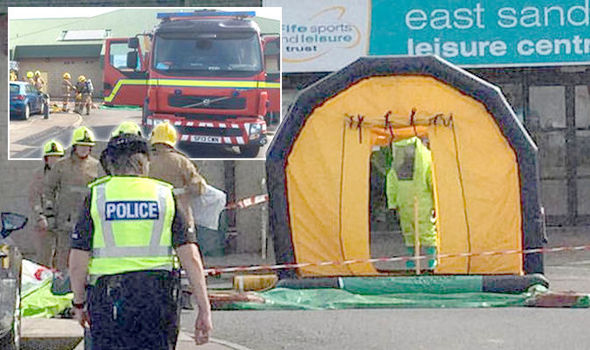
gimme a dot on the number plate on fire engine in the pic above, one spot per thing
(205, 139)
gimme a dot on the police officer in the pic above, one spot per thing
(123, 246)
(169, 165)
(44, 239)
(64, 189)
(67, 89)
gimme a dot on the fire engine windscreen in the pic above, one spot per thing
(207, 54)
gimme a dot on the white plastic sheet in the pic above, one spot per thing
(34, 276)
(208, 206)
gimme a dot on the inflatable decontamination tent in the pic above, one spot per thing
(485, 171)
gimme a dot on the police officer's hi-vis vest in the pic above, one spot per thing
(132, 219)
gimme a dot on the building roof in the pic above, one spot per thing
(46, 34)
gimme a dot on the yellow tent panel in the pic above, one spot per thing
(480, 166)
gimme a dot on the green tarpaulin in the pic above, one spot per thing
(121, 108)
(414, 284)
(41, 303)
(321, 299)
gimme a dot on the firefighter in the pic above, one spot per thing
(31, 78)
(13, 75)
(44, 239)
(39, 82)
(410, 177)
(84, 90)
(170, 165)
(64, 189)
(67, 88)
(122, 245)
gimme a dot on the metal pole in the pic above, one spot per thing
(263, 212)
(416, 236)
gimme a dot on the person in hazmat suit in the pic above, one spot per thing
(44, 239)
(64, 189)
(410, 177)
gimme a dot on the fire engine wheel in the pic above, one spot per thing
(250, 151)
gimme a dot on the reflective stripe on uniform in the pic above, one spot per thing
(158, 228)
(107, 227)
(106, 264)
(128, 252)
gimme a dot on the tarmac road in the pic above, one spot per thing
(453, 329)
(513, 328)
(26, 138)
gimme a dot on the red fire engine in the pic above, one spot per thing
(202, 71)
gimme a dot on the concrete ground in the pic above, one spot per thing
(64, 334)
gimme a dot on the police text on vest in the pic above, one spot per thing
(132, 210)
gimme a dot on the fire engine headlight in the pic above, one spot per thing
(255, 131)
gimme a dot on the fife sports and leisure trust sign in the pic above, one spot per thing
(326, 35)
(323, 35)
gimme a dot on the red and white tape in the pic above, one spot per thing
(248, 202)
(217, 271)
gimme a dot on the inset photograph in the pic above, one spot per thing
(213, 74)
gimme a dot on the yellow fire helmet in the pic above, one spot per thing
(67, 75)
(30, 74)
(126, 127)
(81, 78)
(53, 148)
(83, 136)
(164, 133)
(37, 73)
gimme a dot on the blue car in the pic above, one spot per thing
(25, 100)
